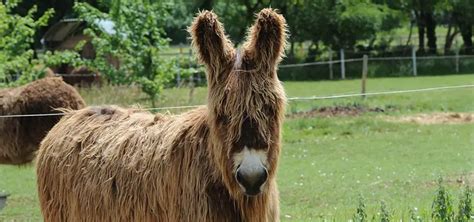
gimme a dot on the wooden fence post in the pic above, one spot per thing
(365, 69)
(343, 65)
(413, 57)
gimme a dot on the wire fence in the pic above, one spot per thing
(342, 64)
(347, 95)
(386, 66)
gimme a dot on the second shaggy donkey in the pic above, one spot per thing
(20, 136)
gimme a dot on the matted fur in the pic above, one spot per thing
(21, 137)
(113, 164)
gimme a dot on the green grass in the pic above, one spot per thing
(326, 163)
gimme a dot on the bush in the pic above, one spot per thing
(442, 207)
(360, 215)
(465, 213)
(16, 38)
(384, 213)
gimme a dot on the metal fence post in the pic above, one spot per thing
(178, 76)
(343, 65)
(365, 61)
(178, 71)
(331, 75)
(457, 61)
(413, 57)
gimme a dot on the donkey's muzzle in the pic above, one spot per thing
(251, 178)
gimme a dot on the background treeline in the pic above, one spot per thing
(319, 29)
(321, 24)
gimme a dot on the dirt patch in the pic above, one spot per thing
(435, 118)
(332, 111)
(466, 179)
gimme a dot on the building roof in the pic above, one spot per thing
(69, 27)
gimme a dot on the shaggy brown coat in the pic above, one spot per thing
(20, 137)
(113, 164)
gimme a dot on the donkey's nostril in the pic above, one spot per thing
(239, 177)
(251, 179)
(264, 177)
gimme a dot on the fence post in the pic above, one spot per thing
(457, 61)
(331, 75)
(365, 61)
(178, 67)
(343, 65)
(413, 57)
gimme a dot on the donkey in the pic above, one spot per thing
(214, 163)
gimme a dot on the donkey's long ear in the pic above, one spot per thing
(209, 39)
(267, 38)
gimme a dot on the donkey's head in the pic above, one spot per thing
(246, 99)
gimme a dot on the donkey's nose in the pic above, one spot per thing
(251, 179)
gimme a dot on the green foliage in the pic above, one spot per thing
(187, 67)
(128, 42)
(414, 217)
(384, 213)
(359, 20)
(442, 208)
(465, 212)
(360, 215)
(16, 37)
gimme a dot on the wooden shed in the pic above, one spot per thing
(65, 35)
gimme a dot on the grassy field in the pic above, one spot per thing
(327, 162)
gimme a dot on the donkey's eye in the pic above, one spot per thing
(222, 119)
(269, 110)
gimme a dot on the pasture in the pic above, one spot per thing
(328, 161)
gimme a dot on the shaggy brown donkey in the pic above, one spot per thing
(214, 163)
(20, 137)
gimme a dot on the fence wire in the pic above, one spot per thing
(289, 99)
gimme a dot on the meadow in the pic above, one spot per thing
(328, 161)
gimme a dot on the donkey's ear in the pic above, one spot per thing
(210, 41)
(267, 38)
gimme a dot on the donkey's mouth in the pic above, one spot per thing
(251, 192)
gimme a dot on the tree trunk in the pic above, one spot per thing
(467, 38)
(452, 33)
(421, 31)
(292, 49)
(430, 31)
(465, 27)
(410, 33)
(312, 52)
(421, 37)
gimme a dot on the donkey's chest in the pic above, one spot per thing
(222, 207)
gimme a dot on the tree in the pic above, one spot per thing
(134, 39)
(62, 9)
(341, 24)
(463, 15)
(424, 11)
(16, 38)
